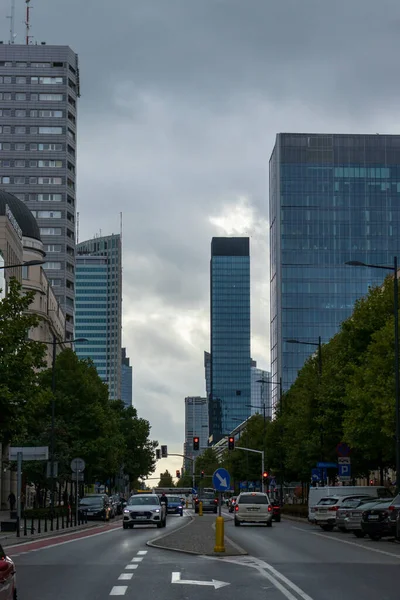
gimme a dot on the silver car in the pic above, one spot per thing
(344, 510)
(144, 509)
(253, 507)
(352, 521)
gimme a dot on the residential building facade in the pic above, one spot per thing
(230, 395)
(99, 307)
(333, 199)
(39, 90)
(196, 424)
(126, 379)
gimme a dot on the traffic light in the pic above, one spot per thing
(265, 477)
(202, 474)
(158, 454)
(178, 474)
(231, 443)
(164, 452)
(196, 443)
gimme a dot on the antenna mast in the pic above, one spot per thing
(11, 17)
(27, 23)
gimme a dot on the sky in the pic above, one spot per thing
(181, 102)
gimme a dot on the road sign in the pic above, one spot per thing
(164, 451)
(343, 460)
(29, 452)
(343, 449)
(221, 480)
(55, 469)
(327, 465)
(344, 472)
(315, 475)
(77, 465)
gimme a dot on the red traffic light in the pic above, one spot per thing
(196, 443)
(231, 443)
(265, 475)
(202, 474)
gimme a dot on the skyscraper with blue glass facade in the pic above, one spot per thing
(99, 307)
(230, 396)
(333, 198)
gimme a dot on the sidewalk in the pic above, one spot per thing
(196, 537)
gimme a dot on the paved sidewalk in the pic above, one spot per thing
(196, 537)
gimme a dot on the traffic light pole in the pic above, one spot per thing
(262, 462)
(193, 465)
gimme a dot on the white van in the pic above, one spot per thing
(316, 493)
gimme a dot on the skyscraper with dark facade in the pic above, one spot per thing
(126, 380)
(230, 395)
(333, 199)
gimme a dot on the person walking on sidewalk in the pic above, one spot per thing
(12, 500)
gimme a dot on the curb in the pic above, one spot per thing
(162, 536)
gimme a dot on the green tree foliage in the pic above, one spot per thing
(207, 462)
(166, 480)
(20, 360)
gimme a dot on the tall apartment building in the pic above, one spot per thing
(99, 307)
(39, 89)
(196, 424)
(126, 379)
(230, 396)
(333, 199)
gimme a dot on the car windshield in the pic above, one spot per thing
(174, 499)
(257, 499)
(353, 502)
(328, 501)
(207, 495)
(143, 501)
(92, 500)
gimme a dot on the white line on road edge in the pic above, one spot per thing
(269, 572)
(335, 539)
(119, 590)
(126, 576)
(176, 578)
(142, 552)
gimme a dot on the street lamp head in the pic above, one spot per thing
(80, 340)
(355, 263)
(293, 341)
(33, 263)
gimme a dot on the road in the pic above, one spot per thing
(291, 560)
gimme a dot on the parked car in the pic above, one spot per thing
(352, 520)
(355, 491)
(253, 507)
(209, 501)
(326, 509)
(175, 505)
(376, 521)
(96, 506)
(8, 583)
(144, 509)
(343, 512)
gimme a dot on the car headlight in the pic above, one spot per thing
(156, 510)
(126, 510)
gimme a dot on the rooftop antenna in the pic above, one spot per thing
(27, 22)
(77, 227)
(11, 17)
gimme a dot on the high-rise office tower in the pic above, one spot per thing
(39, 89)
(230, 397)
(207, 372)
(99, 307)
(196, 424)
(260, 391)
(126, 379)
(333, 199)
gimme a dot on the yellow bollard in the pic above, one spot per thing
(187, 503)
(219, 535)
(200, 509)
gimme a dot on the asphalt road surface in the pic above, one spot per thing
(290, 560)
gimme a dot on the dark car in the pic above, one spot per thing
(209, 502)
(96, 506)
(276, 511)
(8, 584)
(175, 505)
(376, 521)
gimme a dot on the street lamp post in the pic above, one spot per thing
(54, 344)
(29, 263)
(356, 263)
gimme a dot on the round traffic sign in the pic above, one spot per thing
(77, 465)
(343, 449)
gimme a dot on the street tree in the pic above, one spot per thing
(166, 480)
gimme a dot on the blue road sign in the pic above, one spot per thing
(221, 480)
(327, 465)
(194, 490)
(315, 475)
(344, 471)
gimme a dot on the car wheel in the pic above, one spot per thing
(375, 537)
(131, 526)
(159, 525)
(359, 534)
(125, 525)
(237, 523)
(342, 529)
(181, 514)
(269, 523)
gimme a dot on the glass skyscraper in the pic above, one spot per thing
(99, 306)
(230, 397)
(126, 380)
(333, 199)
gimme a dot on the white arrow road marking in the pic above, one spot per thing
(176, 578)
(222, 480)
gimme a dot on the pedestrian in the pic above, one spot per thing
(164, 500)
(12, 500)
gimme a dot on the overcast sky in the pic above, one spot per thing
(181, 101)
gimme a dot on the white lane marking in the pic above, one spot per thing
(269, 572)
(142, 552)
(323, 535)
(119, 590)
(131, 567)
(137, 559)
(176, 578)
(126, 576)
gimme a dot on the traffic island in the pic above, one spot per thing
(196, 537)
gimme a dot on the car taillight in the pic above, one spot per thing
(391, 508)
(269, 508)
(215, 500)
(196, 501)
(236, 507)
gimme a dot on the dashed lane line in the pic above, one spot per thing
(126, 576)
(119, 590)
(129, 567)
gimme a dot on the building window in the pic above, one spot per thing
(20, 80)
(5, 79)
(20, 96)
(25, 272)
(50, 230)
(19, 180)
(5, 96)
(5, 180)
(5, 146)
(32, 197)
(51, 97)
(50, 163)
(50, 147)
(20, 197)
(5, 112)
(34, 97)
(20, 146)
(40, 65)
(33, 163)
(19, 163)
(21, 64)
(20, 113)
(53, 248)
(55, 282)
(49, 214)
(34, 113)
(71, 134)
(52, 265)
(50, 113)
(49, 180)
(33, 146)
(51, 130)
(5, 129)
(49, 197)
(5, 163)
(47, 80)
(19, 130)
(33, 180)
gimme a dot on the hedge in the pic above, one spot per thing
(296, 510)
